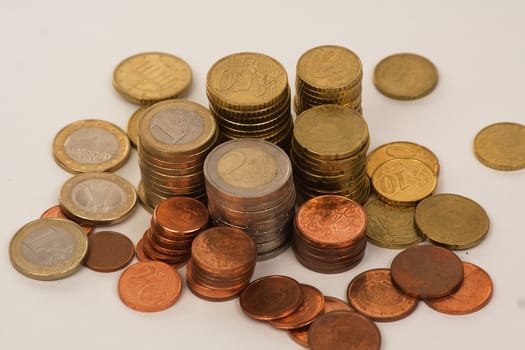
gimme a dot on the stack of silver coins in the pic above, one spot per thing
(174, 137)
(250, 186)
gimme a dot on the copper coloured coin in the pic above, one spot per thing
(109, 251)
(139, 250)
(56, 212)
(343, 330)
(427, 271)
(149, 286)
(473, 294)
(181, 215)
(311, 307)
(271, 297)
(372, 294)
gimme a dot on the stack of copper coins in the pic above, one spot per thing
(330, 234)
(250, 186)
(176, 221)
(222, 263)
(328, 153)
(249, 95)
(328, 75)
(174, 138)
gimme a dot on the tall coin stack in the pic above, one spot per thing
(328, 153)
(250, 186)
(174, 138)
(330, 234)
(250, 97)
(328, 74)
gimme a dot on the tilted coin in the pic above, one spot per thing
(150, 77)
(109, 251)
(451, 220)
(91, 146)
(501, 146)
(97, 198)
(48, 249)
(405, 76)
(133, 124)
(56, 212)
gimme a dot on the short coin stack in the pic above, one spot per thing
(176, 221)
(328, 152)
(174, 138)
(222, 263)
(328, 75)
(249, 95)
(250, 186)
(330, 234)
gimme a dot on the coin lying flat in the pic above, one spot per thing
(48, 249)
(501, 146)
(97, 198)
(91, 146)
(56, 212)
(109, 251)
(150, 77)
(405, 76)
(451, 220)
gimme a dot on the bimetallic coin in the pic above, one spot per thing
(48, 249)
(501, 146)
(97, 198)
(91, 146)
(405, 76)
(150, 77)
(133, 124)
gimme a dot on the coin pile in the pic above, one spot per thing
(328, 152)
(250, 97)
(175, 222)
(222, 263)
(330, 234)
(328, 74)
(250, 186)
(174, 138)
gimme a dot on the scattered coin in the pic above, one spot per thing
(109, 251)
(501, 146)
(149, 286)
(149, 77)
(405, 76)
(91, 146)
(133, 125)
(473, 294)
(56, 212)
(97, 198)
(48, 249)
(452, 221)
(427, 271)
(310, 308)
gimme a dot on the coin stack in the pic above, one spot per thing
(176, 221)
(328, 74)
(250, 186)
(174, 138)
(222, 263)
(330, 234)
(250, 97)
(328, 153)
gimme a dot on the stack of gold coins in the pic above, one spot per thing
(250, 186)
(174, 138)
(176, 221)
(328, 74)
(249, 95)
(328, 153)
(330, 234)
(222, 263)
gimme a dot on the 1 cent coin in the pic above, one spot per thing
(56, 212)
(109, 251)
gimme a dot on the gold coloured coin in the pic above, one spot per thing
(97, 198)
(48, 249)
(91, 146)
(452, 221)
(501, 146)
(405, 76)
(401, 149)
(150, 77)
(133, 124)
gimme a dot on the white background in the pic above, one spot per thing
(56, 62)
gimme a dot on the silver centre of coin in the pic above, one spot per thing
(48, 246)
(177, 126)
(91, 145)
(98, 196)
